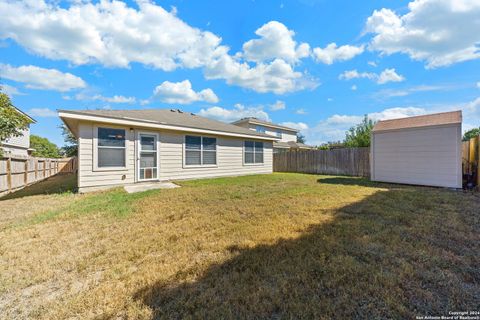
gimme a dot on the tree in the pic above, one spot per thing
(332, 145)
(359, 135)
(471, 134)
(12, 122)
(71, 145)
(43, 147)
(300, 138)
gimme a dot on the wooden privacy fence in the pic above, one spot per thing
(345, 161)
(16, 173)
(471, 159)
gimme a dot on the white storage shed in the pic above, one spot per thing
(422, 150)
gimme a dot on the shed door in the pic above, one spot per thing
(425, 156)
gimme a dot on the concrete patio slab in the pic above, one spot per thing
(150, 186)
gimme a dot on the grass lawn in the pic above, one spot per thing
(266, 246)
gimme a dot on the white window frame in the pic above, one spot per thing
(137, 158)
(185, 165)
(254, 152)
(95, 148)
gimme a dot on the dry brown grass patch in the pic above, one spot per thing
(274, 246)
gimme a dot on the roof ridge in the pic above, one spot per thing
(420, 115)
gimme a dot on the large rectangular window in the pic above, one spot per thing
(200, 151)
(110, 147)
(253, 152)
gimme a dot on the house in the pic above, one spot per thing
(422, 150)
(287, 136)
(120, 147)
(19, 146)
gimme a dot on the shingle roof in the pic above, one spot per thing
(265, 123)
(435, 119)
(170, 117)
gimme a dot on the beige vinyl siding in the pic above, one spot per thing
(90, 177)
(287, 136)
(423, 156)
(171, 159)
(17, 146)
(229, 159)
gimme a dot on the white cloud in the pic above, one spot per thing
(115, 99)
(42, 112)
(239, 111)
(439, 32)
(300, 111)
(354, 87)
(113, 34)
(10, 90)
(387, 75)
(278, 105)
(334, 127)
(277, 76)
(329, 99)
(108, 32)
(276, 41)
(301, 126)
(98, 97)
(389, 93)
(331, 53)
(40, 78)
(354, 74)
(478, 85)
(182, 93)
(372, 63)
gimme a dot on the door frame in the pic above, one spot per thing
(137, 154)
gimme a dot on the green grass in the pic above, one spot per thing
(266, 246)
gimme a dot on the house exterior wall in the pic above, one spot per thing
(171, 159)
(287, 136)
(18, 146)
(422, 156)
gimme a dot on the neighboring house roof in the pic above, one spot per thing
(264, 123)
(26, 115)
(169, 119)
(435, 119)
(291, 144)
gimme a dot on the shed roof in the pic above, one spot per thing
(168, 117)
(434, 119)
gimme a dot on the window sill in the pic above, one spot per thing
(193, 166)
(253, 164)
(110, 169)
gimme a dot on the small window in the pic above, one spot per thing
(110, 148)
(260, 129)
(278, 133)
(253, 152)
(200, 151)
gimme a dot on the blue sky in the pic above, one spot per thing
(312, 64)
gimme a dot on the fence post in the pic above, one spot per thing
(25, 177)
(478, 160)
(9, 174)
(35, 161)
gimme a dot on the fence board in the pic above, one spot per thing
(346, 161)
(16, 173)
